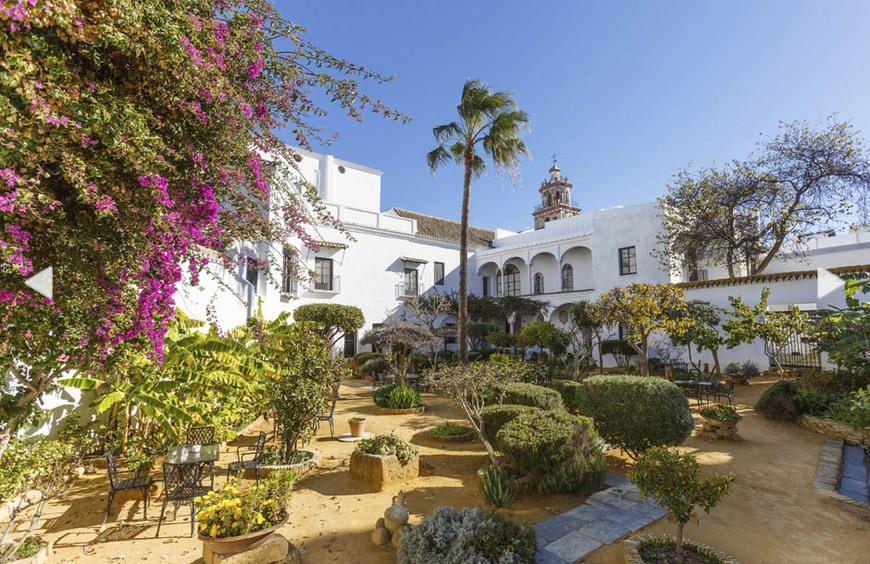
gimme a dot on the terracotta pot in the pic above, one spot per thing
(357, 428)
(235, 545)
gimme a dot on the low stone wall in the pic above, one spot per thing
(851, 435)
(382, 471)
(632, 546)
(408, 411)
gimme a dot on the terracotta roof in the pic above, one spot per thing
(332, 244)
(446, 230)
(775, 277)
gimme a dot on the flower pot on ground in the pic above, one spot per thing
(233, 520)
(720, 422)
(384, 460)
(357, 426)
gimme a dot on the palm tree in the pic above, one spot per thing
(492, 121)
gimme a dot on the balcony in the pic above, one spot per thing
(326, 285)
(289, 288)
(407, 290)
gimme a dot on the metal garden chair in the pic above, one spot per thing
(182, 484)
(255, 451)
(116, 484)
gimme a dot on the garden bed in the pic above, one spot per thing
(408, 411)
(696, 552)
(382, 471)
(432, 434)
(299, 468)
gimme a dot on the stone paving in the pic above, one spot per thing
(853, 482)
(606, 517)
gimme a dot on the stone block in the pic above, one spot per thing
(275, 550)
(381, 472)
(604, 531)
(558, 526)
(572, 547)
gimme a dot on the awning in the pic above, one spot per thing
(331, 244)
(414, 260)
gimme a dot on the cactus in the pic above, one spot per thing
(497, 489)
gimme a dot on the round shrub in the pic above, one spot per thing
(778, 401)
(520, 393)
(570, 392)
(635, 413)
(467, 537)
(374, 365)
(497, 416)
(557, 451)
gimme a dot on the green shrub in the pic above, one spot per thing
(620, 349)
(496, 487)
(859, 409)
(448, 429)
(520, 393)
(374, 365)
(361, 358)
(635, 413)
(535, 373)
(395, 396)
(557, 451)
(570, 392)
(419, 364)
(720, 412)
(468, 537)
(388, 444)
(749, 369)
(778, 401)
(733, 369)
(41, 464)
(656, 365)
(497, 416)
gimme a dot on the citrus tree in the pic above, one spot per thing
(332, 321)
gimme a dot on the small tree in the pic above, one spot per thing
(477, 332)
(844, 333)
(501, 340)
(703, 334)
(397, 341)
(475, 385)
(584, 332)
(545, 335)
(332, 321)
(775, 328)
(671, 479)
(643, 309)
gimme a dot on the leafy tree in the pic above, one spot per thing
(775, 328)
(397, 341)
(131, 143)
(844, 333)
(644, 309)
(478, 331)
(501, 340)
(745, 212)
(332, 321)
(584, 331)
(545, 335)
(492, 122)
(672, 480)
(428, 309)
(620, 350)
(703, 334)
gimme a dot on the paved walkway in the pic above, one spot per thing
(606, 517)
(853, 483)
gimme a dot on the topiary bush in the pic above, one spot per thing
(520, 393)
(570, 392)
(497, 416)
(635, 413)
(468, 537)
(778, 401)
(557, 451)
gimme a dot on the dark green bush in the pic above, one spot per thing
(635, 413)
(497, 416)
(469, 536)
(778, 401)
(570, 392)
(373, 366)
(557, 451)
(361, 358)
(535, 373)
(520, 393)
(394, 396)
(496, 488)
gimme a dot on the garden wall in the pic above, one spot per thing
(838, 429)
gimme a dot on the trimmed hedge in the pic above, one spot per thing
(520, 393)
(778, 401)
(635, 413)
(497, 416)
(557, 451)
(570, 392)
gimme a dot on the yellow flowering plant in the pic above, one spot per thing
(234, 511)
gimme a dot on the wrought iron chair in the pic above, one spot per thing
(182, 484)
(693, 391)
(255, 450)
(327, 418)
(202, 436)
(116, 484)
(726, 392)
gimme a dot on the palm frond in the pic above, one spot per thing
(437, 157)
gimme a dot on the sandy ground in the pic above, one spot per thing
(773, 516)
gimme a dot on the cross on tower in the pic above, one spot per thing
(554, 158)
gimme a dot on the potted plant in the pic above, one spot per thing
(720, 421)
(671, 479)
(357, 426)
(234, 520)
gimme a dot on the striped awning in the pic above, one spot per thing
(414, 260)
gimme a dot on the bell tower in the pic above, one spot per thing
(555, 198)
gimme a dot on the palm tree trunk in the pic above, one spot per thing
(463, 260)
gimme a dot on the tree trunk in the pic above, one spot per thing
(716, 370)
(679, 545)
(600, 357)
(644, 358)
(462, 336)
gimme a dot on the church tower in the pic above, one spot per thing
(555, 199)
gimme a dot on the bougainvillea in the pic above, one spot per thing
(136, 139)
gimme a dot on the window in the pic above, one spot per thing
(567, 278)
(349, 344)
(288, 272)
(486, 286)
(410, 281)
(539, 283)
(627, 261)
(620, 332)
(510, 281)
(439, 273)
(252, 272)
(323, 274)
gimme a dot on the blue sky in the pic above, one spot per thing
(627, 93)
